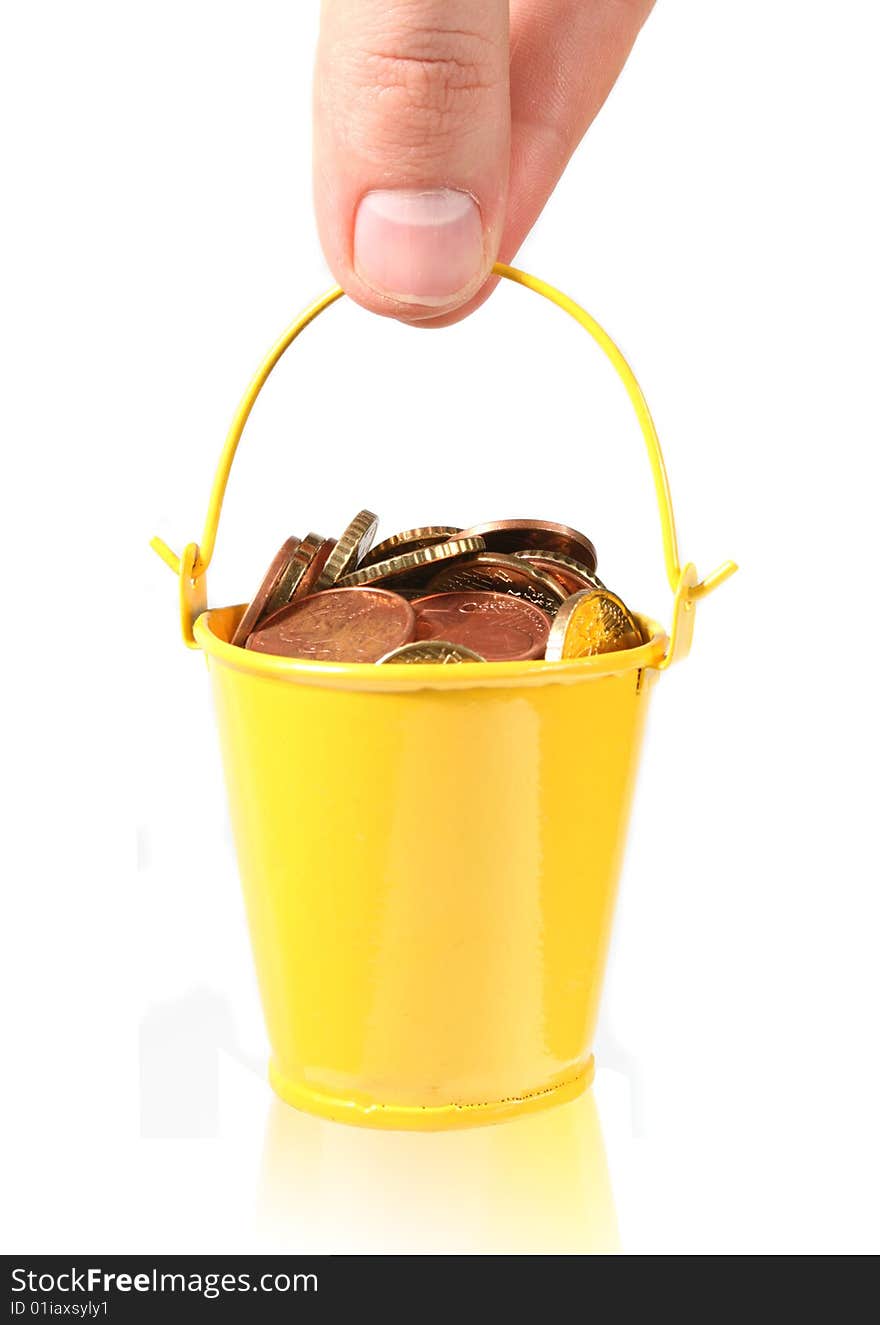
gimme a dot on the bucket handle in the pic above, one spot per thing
(191, 566)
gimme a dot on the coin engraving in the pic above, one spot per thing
(338, 625)
(495, 572)
(590, 622)
(495, 625)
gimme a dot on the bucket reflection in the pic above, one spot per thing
(538, 1184)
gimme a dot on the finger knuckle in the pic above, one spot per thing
(429, 81)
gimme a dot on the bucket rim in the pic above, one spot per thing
(391, 677)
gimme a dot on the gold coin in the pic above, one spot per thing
(352, 546)
(408, 562)
(432, 651)
(589, 622)
(408, 541)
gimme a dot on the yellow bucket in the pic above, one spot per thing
(430, 939)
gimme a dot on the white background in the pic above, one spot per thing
(721, 220)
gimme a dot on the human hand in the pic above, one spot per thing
(441, 129)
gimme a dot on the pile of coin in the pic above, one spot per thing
(505, 591)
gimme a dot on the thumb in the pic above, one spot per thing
(412, 140)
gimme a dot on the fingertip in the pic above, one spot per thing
(412, 148)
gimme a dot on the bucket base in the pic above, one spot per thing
(430, 1117)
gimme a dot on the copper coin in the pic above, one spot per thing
(495, 625)
(301, 576)
(256, 608)
(431, 651)
(338, 625)
(352, 546)
(569, 574)
(408, 541)
(516, 535)
(492, 572)
(590, 622)
(404, 565)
